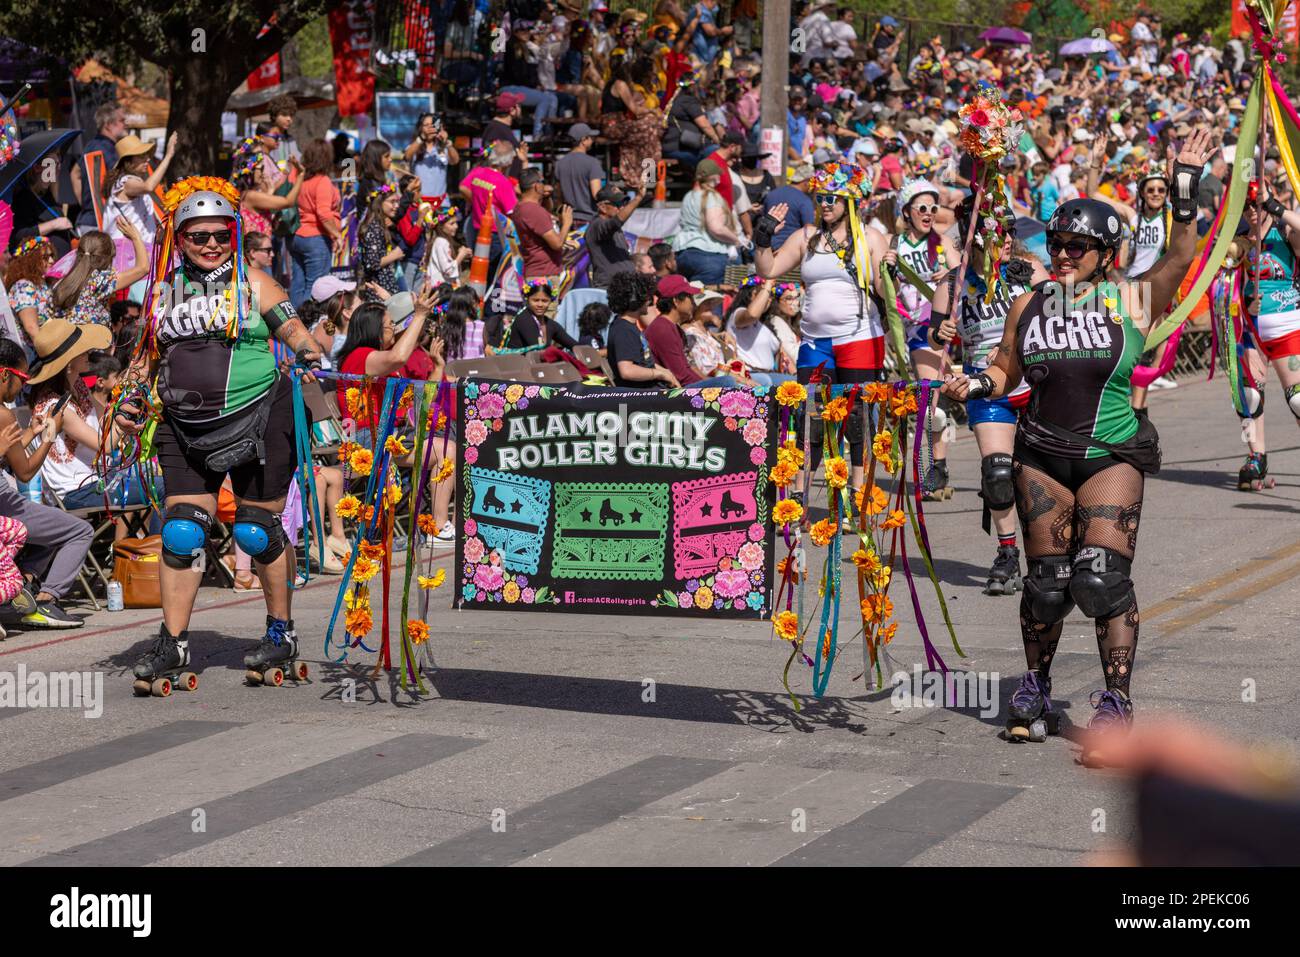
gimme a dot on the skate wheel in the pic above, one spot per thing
(188, 681)
(1272, 483)
(1257, 486)
(299, 670)
(1053, 721)
(1038, 731)
(140, 687)
(1017, 733)
(947, 493)
(253, 677)
(273, 677)
(161, 688)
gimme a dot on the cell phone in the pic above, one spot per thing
(58, 406)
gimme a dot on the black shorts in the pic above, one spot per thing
(185, 474)
(1071, 473)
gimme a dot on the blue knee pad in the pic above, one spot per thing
(184, 534)
(259, 533)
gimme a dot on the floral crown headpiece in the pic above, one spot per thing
(754, 280)
(538, 285)
(384, 190)
(245, 160)
(31, 245)
(199, 184)
(841, 180)
(781, 288)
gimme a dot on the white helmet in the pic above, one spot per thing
(201, 204)
(912, 189)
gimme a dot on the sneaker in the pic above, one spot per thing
(48, 614)
(445, 538)
(1164, 382)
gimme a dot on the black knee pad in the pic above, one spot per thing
(854, 425)
(259, 533)
(1047, 588)
(1100, 582)
(997, 482)
(184, 534)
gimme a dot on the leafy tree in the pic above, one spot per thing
(207, 48)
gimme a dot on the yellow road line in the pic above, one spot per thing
(1217, 606)
(1199, 590)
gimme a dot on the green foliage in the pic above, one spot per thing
(315, 54)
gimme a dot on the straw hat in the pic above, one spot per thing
(132, 145)
(58, 342)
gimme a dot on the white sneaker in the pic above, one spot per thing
(445, 538)
(1164, 382)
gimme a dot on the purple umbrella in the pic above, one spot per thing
(1008, 36)
(1087, 46)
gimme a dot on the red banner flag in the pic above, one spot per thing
(350, 35)
(268, 74)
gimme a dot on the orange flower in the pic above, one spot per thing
(436, 581)
(872, 501)
(877, 607)
(783, 564)
(895, 520)
(902, 403)
(349, 506)
(367, 514)
(887, 633)
(782, 474)
(791, 453)
(882, 447)
(361, 461)
(358, 622)
(836, 410)
(791, 393)
(867, 561)
(353, 399)
(417, 631)
(393, 494)
(346, 449)
(372, 550)
(875, 392)
(407, 400)
(395, 447)
(364, 570)
(444, 472)
(837, 472)
(826, 644)
(426, 524)
(823, 532)
(786, 511)
(786, 625)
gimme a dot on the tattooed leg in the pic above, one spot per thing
(1040, 640)
(1117, 641)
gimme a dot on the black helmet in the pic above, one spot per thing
(1088, 217)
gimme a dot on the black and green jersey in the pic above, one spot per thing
(206, 376)
(1079, 356)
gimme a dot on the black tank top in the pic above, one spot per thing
(609, 103)
(1079, 360)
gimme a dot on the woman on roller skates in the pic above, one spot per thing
(980, 326)
(1081, 452)
(840, 257)
(1272, 301)
(921, 248)
(226, 410)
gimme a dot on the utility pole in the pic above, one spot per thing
(777, 43)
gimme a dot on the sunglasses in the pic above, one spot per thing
(1074, 248)
(260, 249)
(827, 199)
(926, 209)
(1156, 190)
(23, 376)
(202, 237)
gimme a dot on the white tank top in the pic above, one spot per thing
(1148, 244)
(981, 326)
(835, 306)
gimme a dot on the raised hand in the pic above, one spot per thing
(1197, 148)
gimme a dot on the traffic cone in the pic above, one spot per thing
(661, 185)
(478, 267)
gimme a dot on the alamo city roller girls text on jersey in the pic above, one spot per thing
(1080, 360)
(205, 375)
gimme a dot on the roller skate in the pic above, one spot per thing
(1004, 574)
(1030, 716)
(164, 667)
(936, 487)
(1254, 476)
(1114, 712)
(276, 656)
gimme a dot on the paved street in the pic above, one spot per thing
(536, 746)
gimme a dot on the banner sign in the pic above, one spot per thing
(587, 499)
(351, 37)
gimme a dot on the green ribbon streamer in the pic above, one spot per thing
(913, 277)
(901, 356)
(1235, 202)
(420, 477)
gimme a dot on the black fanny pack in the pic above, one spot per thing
(232, 443)
(1142, 451)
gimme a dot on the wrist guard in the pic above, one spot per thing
(1273, 207)
(764, 230)
(981, 387)
(1182, 192)
(936, 320)
(307, 357)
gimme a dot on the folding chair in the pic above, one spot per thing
(590, 357)
(327, 430)
(102, 522)
(515, 366)
(484, 367)
(555, 373)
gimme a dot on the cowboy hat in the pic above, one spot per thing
(58, 342)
